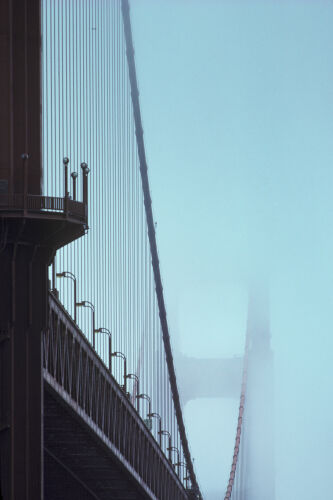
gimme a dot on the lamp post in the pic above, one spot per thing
(156, 415)
(147, 421)
(105, 330)
(167, 433)
(186, 477)
(74, 177)
(136, 378)
(173, 448)
(86, 303)
(68, 274)
(118, 354)
(85, 171)
(66, 162)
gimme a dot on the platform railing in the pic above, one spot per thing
(36, 203)
(28, 203)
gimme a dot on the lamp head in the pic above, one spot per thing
(85, 168)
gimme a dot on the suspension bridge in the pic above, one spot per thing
(89, 402)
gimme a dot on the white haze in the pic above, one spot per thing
(237, 108)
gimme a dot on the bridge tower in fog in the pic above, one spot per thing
(253, 471)
(252, 475)
(89, 402)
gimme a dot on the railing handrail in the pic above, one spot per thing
(42, 203)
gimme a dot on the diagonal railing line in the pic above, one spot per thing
(152, 241)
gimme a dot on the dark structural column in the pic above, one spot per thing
(23, 262)
(29, 237)
(20, 95)
(23, 295)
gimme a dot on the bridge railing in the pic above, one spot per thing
(75, 371)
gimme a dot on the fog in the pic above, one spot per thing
(236, 99)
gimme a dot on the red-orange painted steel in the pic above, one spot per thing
(20, 95)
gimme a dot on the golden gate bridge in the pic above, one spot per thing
(89, 403)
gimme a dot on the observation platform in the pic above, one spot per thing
(48, 221)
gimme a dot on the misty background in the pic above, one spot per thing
(237, 107)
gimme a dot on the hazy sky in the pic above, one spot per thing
(237, 106)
